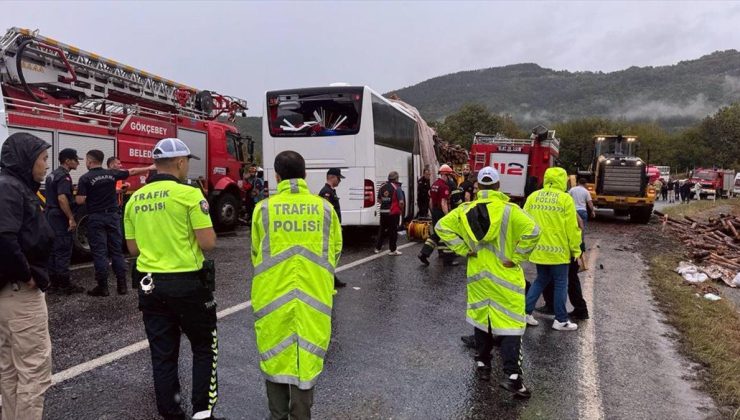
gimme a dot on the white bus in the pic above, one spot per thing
(348, 127)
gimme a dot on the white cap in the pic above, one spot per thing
(170, 148)
(488, 176)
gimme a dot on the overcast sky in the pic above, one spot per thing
(246, 48)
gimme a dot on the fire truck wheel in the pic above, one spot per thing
(79, 238)
(226, 212)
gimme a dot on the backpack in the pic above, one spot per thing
(388, 197)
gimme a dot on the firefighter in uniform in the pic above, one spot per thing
(97, 190)
(496, 236)
(168, 227)
(439, 202)
(61, 218)
(329, 192)
(296, 243)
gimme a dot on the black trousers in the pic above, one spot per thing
(575, 293)
(510, 350)
(434, 242)
(104, 234)
(289, 402)
(181, 304)
(423, 209)
(388, 229)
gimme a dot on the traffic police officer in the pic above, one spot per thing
(296, 243)
(97, 190)
(440, 204)
(168, 227)
(496, 236)
(61, 218)
(329, 192)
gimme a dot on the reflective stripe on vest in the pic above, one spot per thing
(269, 261)
(290, 340)
(495, 305)
(493, 278)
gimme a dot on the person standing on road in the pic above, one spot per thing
(496, 236)
(25, 245)
(168, 226)
(422, 193)
(555, 213)
(664, 191)
(468, 188)
(392, 206)
(61, 218)
(254, 187)
(439, 202)
(676, 191)
(329, 192)
(97, 191)
(582, 198)
(296, 244)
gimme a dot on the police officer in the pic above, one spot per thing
(168, 227)
(502, 238)
(329, 192)
(61, 218)
(439, 202)
(97, 190)
(296, 243)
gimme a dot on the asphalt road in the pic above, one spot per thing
(396, 349)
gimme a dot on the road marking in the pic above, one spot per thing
(105, 359)
(590, 405)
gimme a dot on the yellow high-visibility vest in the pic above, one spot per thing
(496, 294)
(296, 244)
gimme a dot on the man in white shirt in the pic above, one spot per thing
(582, 198)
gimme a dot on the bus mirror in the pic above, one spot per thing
(250, 148)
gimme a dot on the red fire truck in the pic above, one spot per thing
(521, 162)
(73, 98)
(714, 182)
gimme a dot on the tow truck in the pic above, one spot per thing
(73, 98)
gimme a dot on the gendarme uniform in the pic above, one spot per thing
(498, 232)
(162, 217)
(296, 243)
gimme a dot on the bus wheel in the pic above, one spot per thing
(226, 212)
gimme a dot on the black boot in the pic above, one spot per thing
(515, 385)
(99, 291)
(338, 283)
(67, 287)
(122, 286)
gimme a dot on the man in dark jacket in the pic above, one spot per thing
(329, 193)
(25, 244)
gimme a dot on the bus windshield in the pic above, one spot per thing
(313, 112)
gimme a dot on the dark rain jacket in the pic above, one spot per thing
(25, 237)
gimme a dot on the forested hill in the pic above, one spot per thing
(675, 96)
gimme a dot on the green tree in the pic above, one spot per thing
(460, 127)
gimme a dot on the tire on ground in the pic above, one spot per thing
(225, 212)
(641, 214)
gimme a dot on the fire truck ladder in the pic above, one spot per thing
(31, 60)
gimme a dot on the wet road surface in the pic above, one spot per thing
(396, 349)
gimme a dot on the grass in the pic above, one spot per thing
(709, 331)
(704, 207)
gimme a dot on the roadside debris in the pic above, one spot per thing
(713, 246)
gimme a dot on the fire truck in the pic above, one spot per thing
(714, 182)
(73, 98)
(521, 162)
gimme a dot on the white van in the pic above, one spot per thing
(736, 188)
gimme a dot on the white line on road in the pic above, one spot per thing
(105, 359)
(589, 404)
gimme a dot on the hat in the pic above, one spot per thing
(170, 148)
(336, 172)
(65, 154)
(445, 169)
(488, 176)
(393, 176)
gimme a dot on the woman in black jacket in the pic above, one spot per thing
(25, 242)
